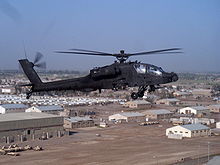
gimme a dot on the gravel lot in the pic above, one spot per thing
(118, 145)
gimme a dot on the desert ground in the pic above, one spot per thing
(118, 144)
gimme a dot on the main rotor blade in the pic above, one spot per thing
(154, 51)
(91, 51)
(38, 57)
(97, 54)
(170, 52)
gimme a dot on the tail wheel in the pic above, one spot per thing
(28, 95)
(134, 95)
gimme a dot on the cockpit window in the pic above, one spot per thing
(155, 70)
(140, 68)
(161, 69)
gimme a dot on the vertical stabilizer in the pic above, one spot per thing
(28, 68)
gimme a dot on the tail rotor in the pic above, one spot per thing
(37, 63)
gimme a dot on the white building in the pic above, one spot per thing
(189, 130)
(12, 108)
(218, 125)
(52, 109)
(128, 117)
(197, 110)
(6, 90)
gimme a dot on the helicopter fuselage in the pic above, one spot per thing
(115, 76)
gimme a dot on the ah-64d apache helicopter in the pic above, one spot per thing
(119, 75)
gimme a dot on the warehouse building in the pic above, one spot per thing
(29, 126)
(168, 101)
(78, 122)
(214, 108)
(158, 114)
(201, 93)
(12, 108)
(216, 131)
(189, 130)
(80, 112)
(128, 117)
(138, 104)
(51, 109)
(200, 111)
(191, 120)
(181, 94)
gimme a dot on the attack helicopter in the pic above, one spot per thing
(119, 75)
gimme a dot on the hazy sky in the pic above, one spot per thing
(111, 25)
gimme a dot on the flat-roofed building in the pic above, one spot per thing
(128, 117)
(189, 130)
(25, 126)
(12, 108)
(52, 109)
(200, 111)
(168, 101)
(217, 124)
(181, 94)
(201, 93)
(158, 114)
(8, 90)
(214, 108)
(143, 104)
(78, 122)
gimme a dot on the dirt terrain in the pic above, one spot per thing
(119, 144)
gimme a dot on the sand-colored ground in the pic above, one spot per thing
(123, 144)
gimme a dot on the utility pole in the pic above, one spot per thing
(155, 157)
(199, 154)
(208, 150)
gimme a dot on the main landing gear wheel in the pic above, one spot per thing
(134, 95)
(140, 92)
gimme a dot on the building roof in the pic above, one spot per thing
(13, 106)
(194, 127)
(158, 111)
(140, 102)
(181, 93)
(215, 105)
(170, 100)
(78, 118)
(199, 108)
(24, 116)
(201, 90)
(131, 114)
(50, 108)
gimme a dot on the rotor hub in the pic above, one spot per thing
(122, 51)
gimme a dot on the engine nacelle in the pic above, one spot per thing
(104, 72)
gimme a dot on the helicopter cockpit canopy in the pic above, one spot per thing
(155, 70)
(143, 68)
(140, 68)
